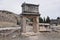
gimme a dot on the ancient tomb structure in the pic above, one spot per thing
(30, 11)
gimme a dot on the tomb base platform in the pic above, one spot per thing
(30, 34)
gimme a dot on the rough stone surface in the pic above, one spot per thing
(8, 18)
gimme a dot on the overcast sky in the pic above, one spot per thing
(49, 8)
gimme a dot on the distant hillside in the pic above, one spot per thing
(8, 18)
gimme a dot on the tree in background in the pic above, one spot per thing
(40, 20)
(44, 21)
(48, 19)
(58, 17)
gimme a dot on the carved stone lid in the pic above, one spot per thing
(28, 4)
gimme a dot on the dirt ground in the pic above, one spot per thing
(40, 36)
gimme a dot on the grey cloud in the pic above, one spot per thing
(47, 7)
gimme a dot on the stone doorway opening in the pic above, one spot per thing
(29, 24)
